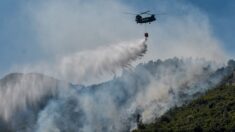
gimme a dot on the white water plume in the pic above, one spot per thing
(83, 66)
(28, 89)
(88, 66)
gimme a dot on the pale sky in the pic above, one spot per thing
(23, 44)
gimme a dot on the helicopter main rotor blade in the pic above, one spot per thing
(130, 13)
(144, 12)
(161, 14)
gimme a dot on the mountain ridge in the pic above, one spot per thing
(211, 111)
(73, 107)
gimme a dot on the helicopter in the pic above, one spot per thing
(148, 19)
(143, 18)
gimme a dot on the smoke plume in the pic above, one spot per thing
(149, 90)
(17, 91)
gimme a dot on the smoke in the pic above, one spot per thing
(149, 90)
(18, 91)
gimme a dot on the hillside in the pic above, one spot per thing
(36, 102)
(213, 111)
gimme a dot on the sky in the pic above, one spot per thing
(30, 35)
(220, 13)
(222, 18)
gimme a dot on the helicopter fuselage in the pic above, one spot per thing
(140, 19)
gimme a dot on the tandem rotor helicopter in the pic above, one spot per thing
(148, 19)
(143, 18)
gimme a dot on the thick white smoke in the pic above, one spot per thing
(149, 90)
(176, 78)
(18, 91)
(40, 103)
